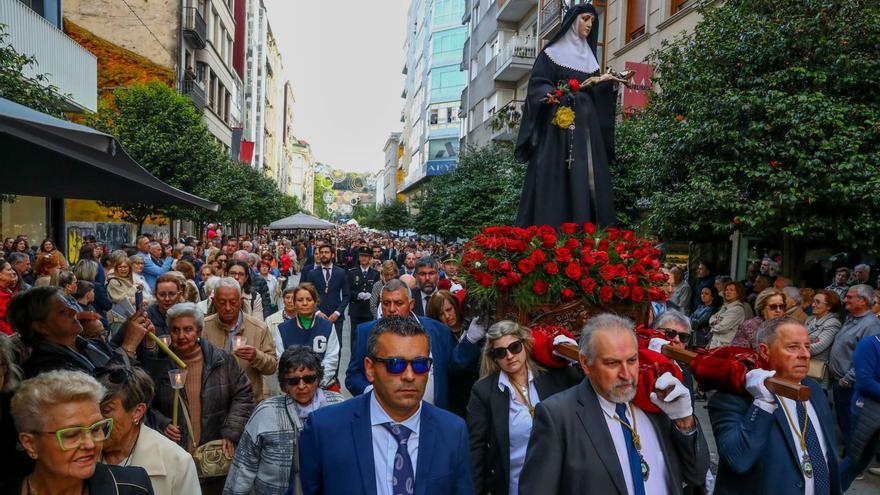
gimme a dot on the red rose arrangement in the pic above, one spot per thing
(539, 265)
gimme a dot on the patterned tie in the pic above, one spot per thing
(821, 478)
(403, 481)
(327, 276)
(635, 461)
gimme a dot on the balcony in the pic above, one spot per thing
(516, 58)
(194, 27)
(504, 125)
(195, 92)
(551, 18)
(514, 10)
(67, 65)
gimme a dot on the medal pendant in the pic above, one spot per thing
(807, 466)
(646, 470)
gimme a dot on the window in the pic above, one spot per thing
(447, 46)
(635, 19)
(678, 5)
(447, 83)
(450, 114)
(443, 149)
(448, 13)
(434, 115)
(601, 8)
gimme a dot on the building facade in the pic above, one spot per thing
(387, 181)
(273, 120)
(432, 90)
(256, 55)
(302, 173)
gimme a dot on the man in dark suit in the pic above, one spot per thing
(639, 452)
(390, 252)
(388, 441)
(771, 444)
(408, 263)
(310, 265)
(446, 355)
(333, 289)
(361, 280)
(427, 276)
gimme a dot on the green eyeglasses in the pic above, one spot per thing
(71, 438)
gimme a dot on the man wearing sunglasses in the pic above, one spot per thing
(447, 356)
(388, 438)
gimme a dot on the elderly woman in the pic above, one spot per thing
(270, 437)
(387, 273)
(769, 304)
(502, 406)
(265, 268)
(724, 323)
(216, 392)
(308, 330)
(137, 268)
(61, 428)
(128, 393)
(8, 280)
(823, 326)
(49, 327)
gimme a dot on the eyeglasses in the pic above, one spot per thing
(501, 352)
(71, 438)
(396, 365)
(237, 274)
(167, 295)
(308, 379)
(776, 307)
(671, 333)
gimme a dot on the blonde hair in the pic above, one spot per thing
(39, 394)
(502, 329)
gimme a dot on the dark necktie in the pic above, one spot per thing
(635, 460)
(403, 480)
(821, 478)
(326, 276)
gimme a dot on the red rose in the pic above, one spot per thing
(526, 266)
(628, 235)
(588, 284)
(607, 272)
(572, 244)
(493, 264)
(637, 294)
(601, 256)
(540, 287)
(569, 228)
(621, 271)
(774, 163)
(538, 256)
(606, 292)
(551, 268)
(656, 294)
(558, 93)
(505, 266)
(632, 280)
(548, 240)
(658, 277)
(603, 245)
(503, 284)
(567, 294)
(486, 280)
(588, 243)
(586, 259)
(573, 271)
(590, 228)
(563, 255)
(574, 84)
(513, 278)
(622, 291)
(613, 233)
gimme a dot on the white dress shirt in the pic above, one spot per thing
(519, 426)
(658, 480)
(385, 445)
(795, 433)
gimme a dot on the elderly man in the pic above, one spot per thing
(681, 291)
(446, 356)
(256, 355)
(152, 267)
(21, 263)
(860, 323)
(639, 452)
(861, 274)
(793, 300)
(771, 444)
(840, 284)
(427, 277)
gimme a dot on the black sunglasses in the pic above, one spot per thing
(500, 352)
(309, 379)
(396, 365)
(672, 333)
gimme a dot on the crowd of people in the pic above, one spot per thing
(212, 365)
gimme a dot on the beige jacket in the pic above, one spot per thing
(170, 468)
(258, 336)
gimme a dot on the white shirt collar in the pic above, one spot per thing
(378, 416)
(504, 381)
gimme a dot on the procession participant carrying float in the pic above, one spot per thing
(555, 280)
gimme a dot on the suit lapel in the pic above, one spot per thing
(427, 445)
(779, 414)
(362, 432)
(499, 403)
(593, 420)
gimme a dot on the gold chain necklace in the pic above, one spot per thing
(806, 462)
(637, 441)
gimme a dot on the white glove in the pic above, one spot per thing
(755, 386)
(475, 331)
(656, 344)
(364, 296)
(677, 403)
(563, 339)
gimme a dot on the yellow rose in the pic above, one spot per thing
(564, 117)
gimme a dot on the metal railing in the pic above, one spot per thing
(194, 27)
(195, 92)
(504, 123)
(518, 46)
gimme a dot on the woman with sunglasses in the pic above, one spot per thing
(128, 393)
(61, 428)
(769, 304)
(271, 435)
(822, 327)
(502, 406)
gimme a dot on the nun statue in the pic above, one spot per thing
(567, 130)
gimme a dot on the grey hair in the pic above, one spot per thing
(603, 323)
(290, 289)
(211, 284)
(862, 267)
(14, 258)
(14, 373)
(228, 283)
(184, 309)
(674, 316)
(767, 332)
(118, 256)
(187, 250)
(297, 357)
(793, 293)
(865, 292)
(403, 326)
(38, 395)
(86, 270)
(136, 258)
(502, 329)
(240, 255)
(427, 261)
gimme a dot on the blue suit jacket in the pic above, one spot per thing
(447, 356)
(757, 452)
(335, 297)
(336, 452)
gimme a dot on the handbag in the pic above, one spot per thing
(818, 370)
(210, 459)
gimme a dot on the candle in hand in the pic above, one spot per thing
(238, 342)
(177, 379)
(166, 339)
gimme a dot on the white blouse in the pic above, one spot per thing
(519, 426)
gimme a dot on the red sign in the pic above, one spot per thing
(636, 97)
(247, 151)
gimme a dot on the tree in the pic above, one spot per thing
(768, 122)
(483, 190)
(320, 209)
(393, 217)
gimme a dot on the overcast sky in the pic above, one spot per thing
(344, 59)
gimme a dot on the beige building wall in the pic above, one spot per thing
(303, 161)
(274, 119)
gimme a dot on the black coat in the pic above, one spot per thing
(259, 286)
(47, 356)
(487, 420)
(358, 282)
(106, 480)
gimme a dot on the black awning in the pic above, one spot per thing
(45, 156)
